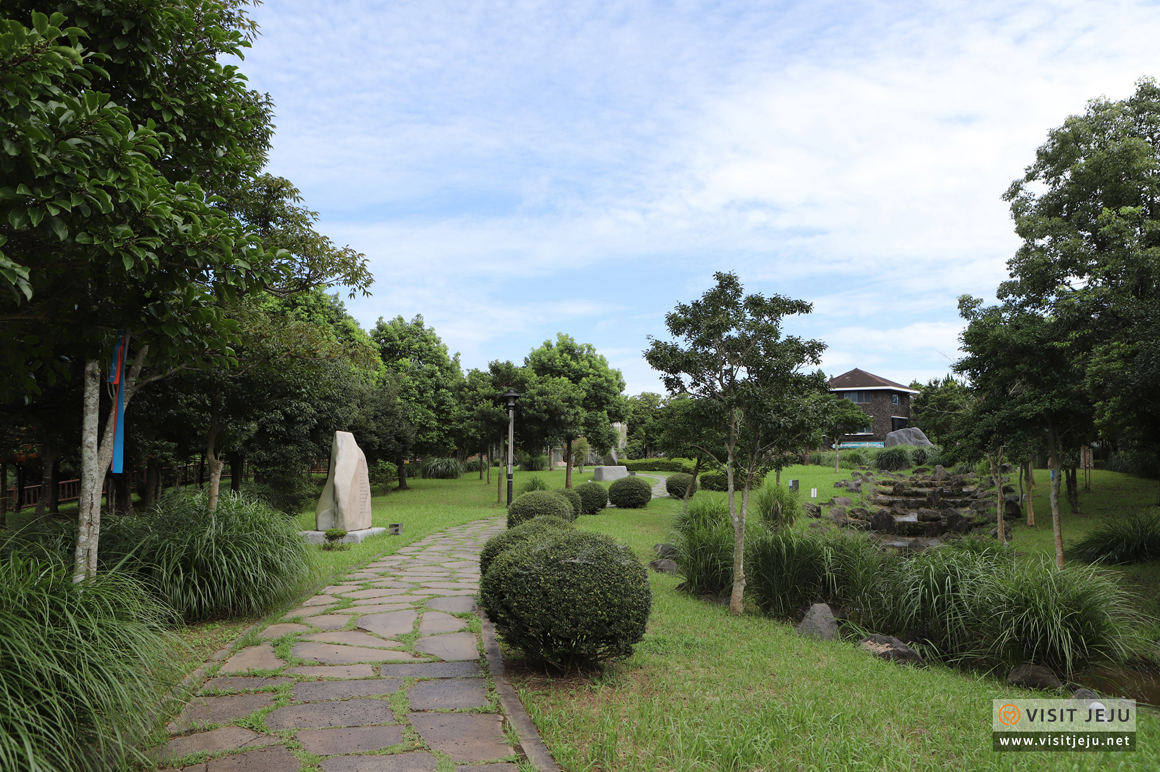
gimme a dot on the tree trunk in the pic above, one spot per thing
(149, 489)
(3, 494)
(499, 477)
(487, 460)
(212, 454)
(996, 462)
(1057, 530)
(201, 471)
(402, 473)
(46, 501)
(1070, 477)
(122, 493)
(837, 450)
(237, 471)
(19, 486)
(568, 464)
(736, 604)
(689, 487)
(1030, 493)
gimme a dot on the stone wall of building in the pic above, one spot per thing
(882, 411)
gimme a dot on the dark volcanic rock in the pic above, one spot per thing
(892, 650)
(1033, 677)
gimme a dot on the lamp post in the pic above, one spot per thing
(511, 395)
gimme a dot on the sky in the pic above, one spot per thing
(514, 170)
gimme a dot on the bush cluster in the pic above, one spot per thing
(472, 465)
(630, 492)
(529, 530)
(1134, 539)
(442, 469)
(677, 484)
(593, 497)
(291, 492)
(382, 474)
(776, 505)
(532, 463)
(537, 504)
(572, 599)
(83, 666)
(658, 465)
(894, 459)
(573, 498)
(718, 481)
(534, 483)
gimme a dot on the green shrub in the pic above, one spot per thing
(241, 561)
(682, 465)
(924, 456)
(630, 492)
(784, 571)
(676, 484)
(704, 543)
(382, 474)
(853, 457)
(572, 600)
(573, 498)
(291, 492)
(717, 481)
(535, 528)
(472, 465)
(1133, 539)
(776, 505)
(533, 463)
(894, 459)
(1136, 462)
(83, 667)
(593, 497)
(442, 469)
(537, 504)
(534, 483)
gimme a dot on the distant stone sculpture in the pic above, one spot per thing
(346, 499)
(609, 473)
(907, 436)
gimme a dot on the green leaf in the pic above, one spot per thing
(58, 227)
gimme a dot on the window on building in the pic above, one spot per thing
(897, 423)
(895, 399)
(861, 397)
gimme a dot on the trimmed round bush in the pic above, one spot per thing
(572, 600)
(442, 469)
(572, 497)
(593, 497)
(676, 484)
(537, 504)
(536, 528)
(893, 459)
(630, 492)
(717, 481)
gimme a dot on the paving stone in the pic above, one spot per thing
(334, 589)
(398, 762)
(354, 638)
(316, 691)
(459, 605)
(335, 654)
(451, 585)
(449, 694)
(226, 738)
(505, 767)
(326, 742)
(253, 658)
(432, 670)
(244, 683)
(277, 631)
(434, 622)
(320, 715)
(399, 596)
(320, 600)
(463, 736)
(373, 609)
(333, 671)
(305, 611)
(273, 759)
(361, 594)
(329, 621)
(451, 647)
(389, 624)
(450, 593)
(362, 575)
(462, 564)
(219, 710)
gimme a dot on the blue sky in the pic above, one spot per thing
(517, 169)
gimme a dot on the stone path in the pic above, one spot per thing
(379, 673)
(658, 489)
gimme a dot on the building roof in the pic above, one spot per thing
(860, 380)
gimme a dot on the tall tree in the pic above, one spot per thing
(573, 392)
(732, 353)
(840, 416)
(937, 405)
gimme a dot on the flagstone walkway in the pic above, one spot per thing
(379, 673)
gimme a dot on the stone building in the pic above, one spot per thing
(885, 403)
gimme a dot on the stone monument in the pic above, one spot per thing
(346, 500)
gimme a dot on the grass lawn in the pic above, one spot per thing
(708, 691)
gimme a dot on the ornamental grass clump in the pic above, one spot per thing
(677, 484)
(1133, 539)
(442, 469)
(894, 459)
(241, 560)
(534, 483)
(630, 492)
(538, 504)
(704, 543)
(593, 498)
(777, 506)
(572, 600)
(83, 667)
(572, 497)
(536, 528)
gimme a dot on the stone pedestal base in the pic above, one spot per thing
(352, 537)
(609, 473)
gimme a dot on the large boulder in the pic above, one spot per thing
(609, 473)
(346, 500)
(891, 649)
(907, 436)
(1033, 677)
